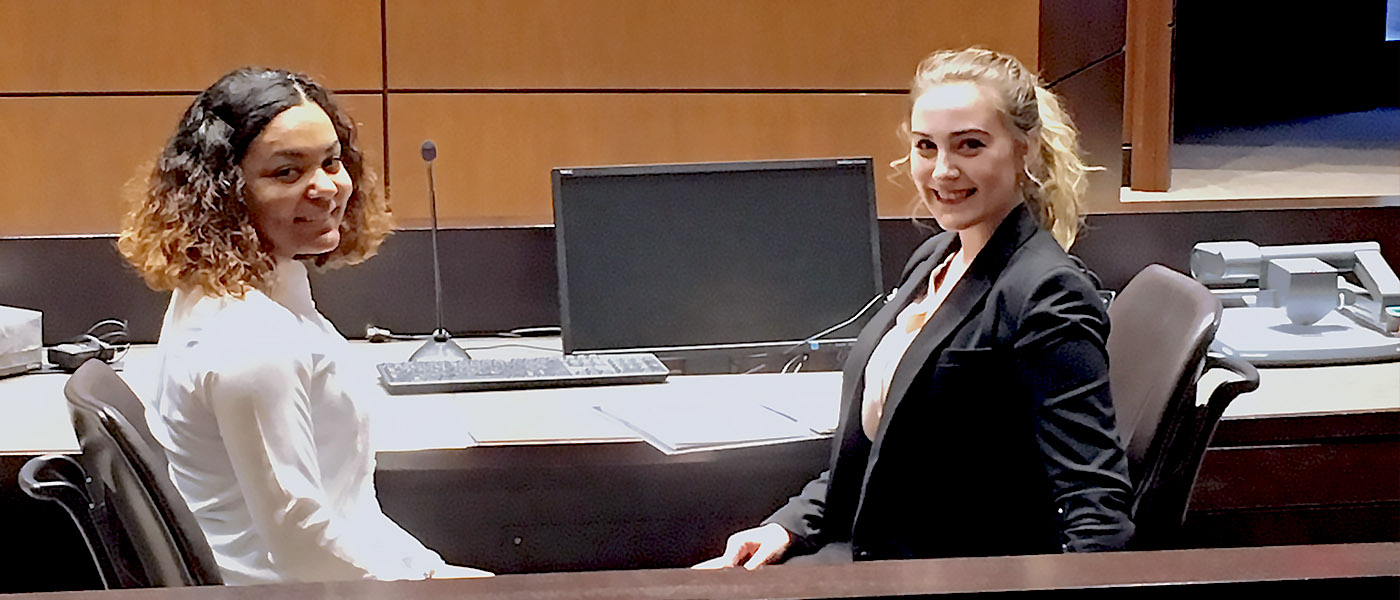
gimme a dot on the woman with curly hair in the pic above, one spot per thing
(263, 175)
(976, 417)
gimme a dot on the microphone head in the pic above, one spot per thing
(429, 150)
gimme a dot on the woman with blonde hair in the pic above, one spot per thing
(263, 175)
(976, 417)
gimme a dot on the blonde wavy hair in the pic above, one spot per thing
(190, 227)
(1056, 177)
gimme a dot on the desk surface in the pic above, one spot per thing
(38, 421)
(1351, 568)
(539, 504)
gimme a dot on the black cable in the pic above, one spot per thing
(105, 340)
(114, 343)
(796, 361)
(1084, 267)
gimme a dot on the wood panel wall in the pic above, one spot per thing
(495, 151)
(711, 45)
(68, 162)
(1148, 104)
(142, 46)
(90, 89)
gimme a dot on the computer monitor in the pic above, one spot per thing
(715, 255)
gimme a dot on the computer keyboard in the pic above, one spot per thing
(425, 377)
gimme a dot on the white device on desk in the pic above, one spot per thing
(1298, 305)
(21, 340)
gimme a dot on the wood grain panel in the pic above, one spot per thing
(66, 161)
(1095, 101)
(1075, 33)
(1321, 474)
(368, 112)
(143, 45)
(1148, 104)
(495, 151)
(717, 44)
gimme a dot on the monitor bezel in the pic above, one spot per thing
(558, 174)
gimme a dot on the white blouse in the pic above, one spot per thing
(268, 450)
(879, 371)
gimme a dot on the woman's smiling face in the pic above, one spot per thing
(295, 184)
(963, 158)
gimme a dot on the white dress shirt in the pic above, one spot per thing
(268, 450)
(879, 371)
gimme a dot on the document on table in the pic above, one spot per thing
(676, 427)
(816, 405)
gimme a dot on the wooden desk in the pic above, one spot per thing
(582, 493)
(1312, 456)
(533, 417)
(1350, 570)
(411, 423)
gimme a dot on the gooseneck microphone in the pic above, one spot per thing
(441, 347)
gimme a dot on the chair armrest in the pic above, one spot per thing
(55, 477)
(1227, 391)
(60, 478)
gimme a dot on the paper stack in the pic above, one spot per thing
(712, 412)
(21, 340)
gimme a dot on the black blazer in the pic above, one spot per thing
(998, 432)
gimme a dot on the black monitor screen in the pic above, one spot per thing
(660, 257)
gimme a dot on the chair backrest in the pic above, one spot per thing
(1162, 324)
(96, 385)
(149, 534)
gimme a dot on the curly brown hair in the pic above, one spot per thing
(190, 227)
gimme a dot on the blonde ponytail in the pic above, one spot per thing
(1058, 176)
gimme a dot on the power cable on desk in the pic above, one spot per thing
(542, 331)
(800, 358)
(377, 335)
(810, 340)
(106, 341)
(493, 347)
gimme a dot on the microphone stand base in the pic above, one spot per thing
(439, 350)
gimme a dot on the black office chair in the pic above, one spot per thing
(1162, 325)
(136, 525)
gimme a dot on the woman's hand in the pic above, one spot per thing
(752, 548)
(458, 572)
